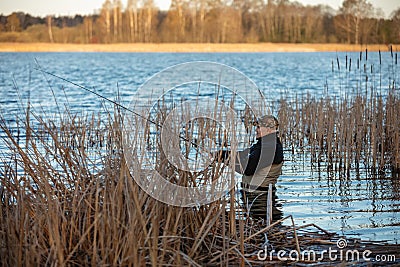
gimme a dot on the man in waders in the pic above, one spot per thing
(260, 165)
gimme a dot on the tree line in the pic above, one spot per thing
(210, 21)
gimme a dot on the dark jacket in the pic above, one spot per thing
(267, 151)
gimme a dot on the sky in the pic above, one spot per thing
(84, 7)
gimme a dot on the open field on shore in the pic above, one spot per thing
(189, 47)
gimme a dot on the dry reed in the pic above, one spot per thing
(359, 128)
(345, 133)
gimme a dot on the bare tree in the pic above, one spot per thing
(88, 24)
(202, 16)
(180, 7)
(13, 23)
(117, 20)
(133, 19)
(181, 21)
(148, 17)
(50, 31)
(193, 10)
(268, 14)
(176, 20)
(352, 13)
(199, 10)
(106, 19)
(312, 25)
(395, 19)
(232, 26)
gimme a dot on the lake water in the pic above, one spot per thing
(358, 207)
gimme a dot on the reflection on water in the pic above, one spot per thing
(256, 202)
(361, 204)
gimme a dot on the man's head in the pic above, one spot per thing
(265, 125)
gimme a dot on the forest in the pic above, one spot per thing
(209, 21)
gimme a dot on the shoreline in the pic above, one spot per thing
(192, 47)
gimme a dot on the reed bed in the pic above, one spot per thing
(346, 134)
(68, 199)
(356, 128)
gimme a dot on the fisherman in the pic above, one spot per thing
(260, 164)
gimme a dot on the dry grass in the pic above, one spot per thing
(189, 47)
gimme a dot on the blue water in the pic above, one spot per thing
(359, 206)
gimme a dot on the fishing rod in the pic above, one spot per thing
(194, 144)
(99, 95)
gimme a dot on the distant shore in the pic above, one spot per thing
(190, 47)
